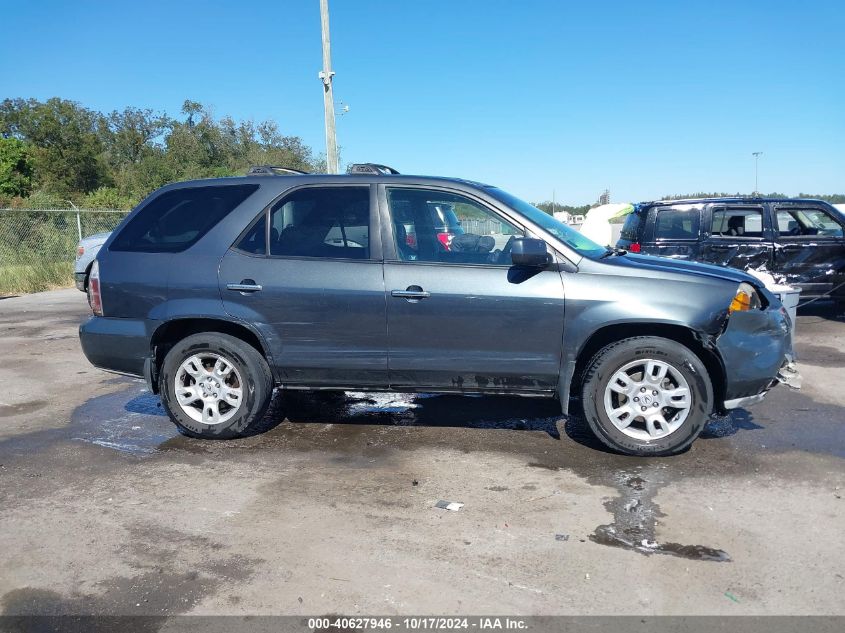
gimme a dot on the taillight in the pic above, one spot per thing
(411, 240)
(80, 250)
(445, 239)
(635, 247)
(95, 298)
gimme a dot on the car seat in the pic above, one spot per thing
(405, 251)
(736, 225)
(678, 231)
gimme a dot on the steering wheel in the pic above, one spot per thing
(503, 256)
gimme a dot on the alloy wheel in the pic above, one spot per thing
(647, 399)
(208, 388)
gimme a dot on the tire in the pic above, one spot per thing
(236, 415)
(87, 277)
(643, 434)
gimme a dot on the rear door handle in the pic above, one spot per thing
(412, 293)
(247, 285)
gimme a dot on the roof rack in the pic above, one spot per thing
(274, 170)
(370, 168)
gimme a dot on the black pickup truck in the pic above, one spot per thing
(801, 242)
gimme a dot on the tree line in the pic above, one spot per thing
(57, 150)
(833, 198)
(549, 206)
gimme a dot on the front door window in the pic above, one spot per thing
(438, 226)
(795, 222)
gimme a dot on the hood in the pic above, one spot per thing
(662, 265)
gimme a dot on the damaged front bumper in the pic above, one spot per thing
(787, 375)
(756, 350)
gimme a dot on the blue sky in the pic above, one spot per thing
(645, 98)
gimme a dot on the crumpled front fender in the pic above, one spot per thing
(753, 347)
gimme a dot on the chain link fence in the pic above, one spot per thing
(38, 246)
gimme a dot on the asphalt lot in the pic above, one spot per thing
(107, 510)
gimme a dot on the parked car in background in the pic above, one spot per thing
(218, 291)
(86, 252)
(801, 242)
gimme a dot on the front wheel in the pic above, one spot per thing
(216, 386)
(647, 396)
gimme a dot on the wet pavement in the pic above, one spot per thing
(133, 421)
(334, 506)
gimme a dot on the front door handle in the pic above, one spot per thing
(411, 293)
(246, 285)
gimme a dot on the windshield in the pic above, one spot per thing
(569, 236)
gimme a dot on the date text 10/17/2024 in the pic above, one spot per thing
(421, 623)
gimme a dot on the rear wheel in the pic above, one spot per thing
(647, 396)
(216, 386)
(87, 276)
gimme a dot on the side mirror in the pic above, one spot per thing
(531, 252)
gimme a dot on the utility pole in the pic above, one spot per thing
(326, 75)
(756, 156)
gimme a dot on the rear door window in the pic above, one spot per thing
(677, 223)
(176, 219)
(737, 223)
(326, 222)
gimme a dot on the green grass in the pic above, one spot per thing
(35, 276)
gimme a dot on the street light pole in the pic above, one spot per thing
(756, 156)
(326, 75)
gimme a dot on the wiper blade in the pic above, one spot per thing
(614, 251)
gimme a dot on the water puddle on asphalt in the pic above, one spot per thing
(130, 421)
(635, 518)
(133, 420)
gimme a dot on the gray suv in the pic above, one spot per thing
(218, 291)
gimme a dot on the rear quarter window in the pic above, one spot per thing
(176, 219)
(631, 228)
(677, 223)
